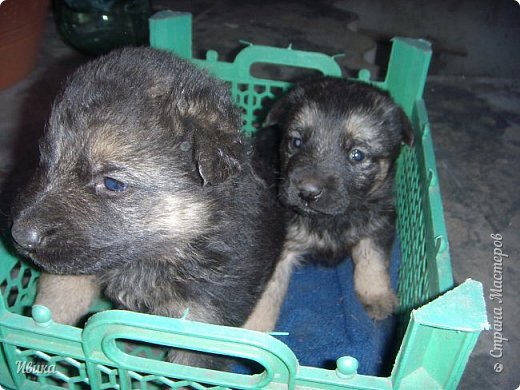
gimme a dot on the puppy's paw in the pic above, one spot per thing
(380, 306)
(67, 296)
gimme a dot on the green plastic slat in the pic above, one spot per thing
(433, 203)
(171, 31)
(104, 328)
(407, 71)
(440, 338)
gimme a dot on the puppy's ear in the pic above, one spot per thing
(204, 114)
(277, 111)
(218, 147)
(281, 107)
(217, 155)
(406, 129)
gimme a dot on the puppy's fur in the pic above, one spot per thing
(339, 143)
(146, 188)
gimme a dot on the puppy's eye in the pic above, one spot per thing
(296, 142)
(114, 185)
(356, 155)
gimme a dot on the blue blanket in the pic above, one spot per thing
(325, 319)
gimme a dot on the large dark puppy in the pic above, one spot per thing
(146, 187)
(339, 145)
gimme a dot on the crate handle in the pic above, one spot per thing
(258, 54)
(172, 31)
(104, 329)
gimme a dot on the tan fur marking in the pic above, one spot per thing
(384, 166)
(67, 296)
(267, 309)
(300, 239)
(307, 115)
(182, 215)
(107, 146)
(361, 126)
(372, 281)
(355, 125)
(199, 111)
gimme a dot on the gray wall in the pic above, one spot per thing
(472, 38)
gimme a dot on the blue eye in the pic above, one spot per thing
(356, 155)
(296, 142)
(114, 185)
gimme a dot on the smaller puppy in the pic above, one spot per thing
(339, 143)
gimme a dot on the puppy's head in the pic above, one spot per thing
(136, 143)
(339, 144)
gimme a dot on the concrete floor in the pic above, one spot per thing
(475, 126)
(476, 132)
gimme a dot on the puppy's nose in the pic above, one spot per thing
(309, 190)
(28, 238)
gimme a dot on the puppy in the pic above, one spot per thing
(339, 143)
(146, 191)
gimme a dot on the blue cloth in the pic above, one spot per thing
(325, 319)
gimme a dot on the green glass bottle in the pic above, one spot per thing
(98, 26)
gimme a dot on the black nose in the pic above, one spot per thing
(309, 190)
(29, 238)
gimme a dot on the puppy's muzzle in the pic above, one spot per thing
(29, 237)
(309, 190)
(315, 191)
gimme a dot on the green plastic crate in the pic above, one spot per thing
(124, 350)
